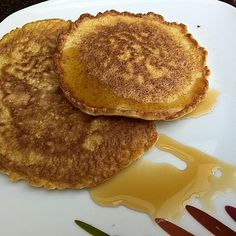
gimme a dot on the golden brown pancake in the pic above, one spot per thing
(135, 65)
(44, 139)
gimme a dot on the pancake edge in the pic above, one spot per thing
(49, 185)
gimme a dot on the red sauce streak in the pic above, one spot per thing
(210, 223)
(171, 228)
(231, 211)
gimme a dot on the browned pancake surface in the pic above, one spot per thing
(44, 139)
(132, 65)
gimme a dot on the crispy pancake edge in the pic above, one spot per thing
(168, 115)
(38, 182)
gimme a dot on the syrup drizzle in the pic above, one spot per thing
(160, 189)
(207, 105)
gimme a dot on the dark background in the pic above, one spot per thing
(9, 6)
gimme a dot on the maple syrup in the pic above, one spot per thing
(95, 93)
(160, 189)
(207, 105)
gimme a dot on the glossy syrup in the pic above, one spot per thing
(94, 92)
(160, 189)
(207, 105)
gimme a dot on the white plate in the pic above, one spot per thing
(26, 211)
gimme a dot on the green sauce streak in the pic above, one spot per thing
(90, 229)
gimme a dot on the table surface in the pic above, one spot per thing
(7, 7)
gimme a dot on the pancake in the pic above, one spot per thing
(44, 139)
(135, 65)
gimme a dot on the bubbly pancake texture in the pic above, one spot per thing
(135, 65)
(44, 139)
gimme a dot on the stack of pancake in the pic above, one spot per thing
(78, 99)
